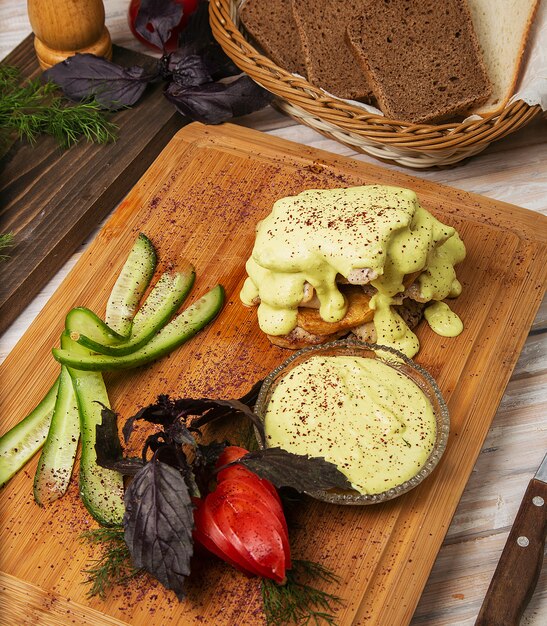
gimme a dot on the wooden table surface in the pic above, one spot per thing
(513, 170)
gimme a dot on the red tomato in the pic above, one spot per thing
(255, 539)
(188, 6)
(243, 490)
(229, 455)
(255, 491)
(242, 521)
(265, 487)
(210, 536)
(233, 453)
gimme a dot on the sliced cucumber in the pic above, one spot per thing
(132, 282)
(159, 307)
(182, 328)
(57, 459)
(21, 443)
(164, 300)
(101, 489)
(83, 322)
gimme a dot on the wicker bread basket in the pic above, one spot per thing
(410, 145)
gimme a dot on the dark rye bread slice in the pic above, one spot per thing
(422, 58)
(322, 25)
(272, 25)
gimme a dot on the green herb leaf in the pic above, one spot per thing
(114, 567)
(6, 240)
(29, 109)
(297, 601)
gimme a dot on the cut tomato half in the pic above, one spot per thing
(253, 494)
(256, 539)
(207, 532)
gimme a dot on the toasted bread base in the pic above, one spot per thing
(410, 311)
(300, 338)
(311, 329)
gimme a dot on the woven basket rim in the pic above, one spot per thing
(351, 118)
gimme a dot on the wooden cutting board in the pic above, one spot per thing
(201, 199)
(52, 200)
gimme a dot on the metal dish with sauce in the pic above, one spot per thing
(394, 360)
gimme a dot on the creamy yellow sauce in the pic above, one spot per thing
(370, 420)
(442, 320)
(319, 234)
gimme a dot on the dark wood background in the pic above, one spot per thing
(52, 200)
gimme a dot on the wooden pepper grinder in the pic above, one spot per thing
(64, 27)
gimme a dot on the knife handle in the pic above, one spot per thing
(520, 563)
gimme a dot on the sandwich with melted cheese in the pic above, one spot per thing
(366, 260)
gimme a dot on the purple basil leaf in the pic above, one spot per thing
(167, 452)
(207, 454)
(107, 443)
(251, 396)
(156, 19)
(214, 103)
(128, 428)
(127, 466)
(180, 434)
(174, 416)
(301, 472)
(158, 524)
(197, 34)
(154, 442)
(212, 410)
(164, 412)
(197, 38)
(175, 457)
(187, 70)
(204, 463)
(218, 63)
(108, 448)
(85, 76)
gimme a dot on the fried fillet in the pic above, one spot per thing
(358, 313)
(311, 330)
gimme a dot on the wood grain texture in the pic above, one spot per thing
(52, 200)
(512, 170)
(19, 598)
(201, 199)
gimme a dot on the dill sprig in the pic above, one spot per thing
(29, 109)
(6, 240)
(297, 601)
(114, 566)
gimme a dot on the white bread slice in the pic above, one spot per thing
(502, 28)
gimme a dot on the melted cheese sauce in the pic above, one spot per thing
(319, 234)
(370, 420)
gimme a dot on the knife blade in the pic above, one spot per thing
(520, 563)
